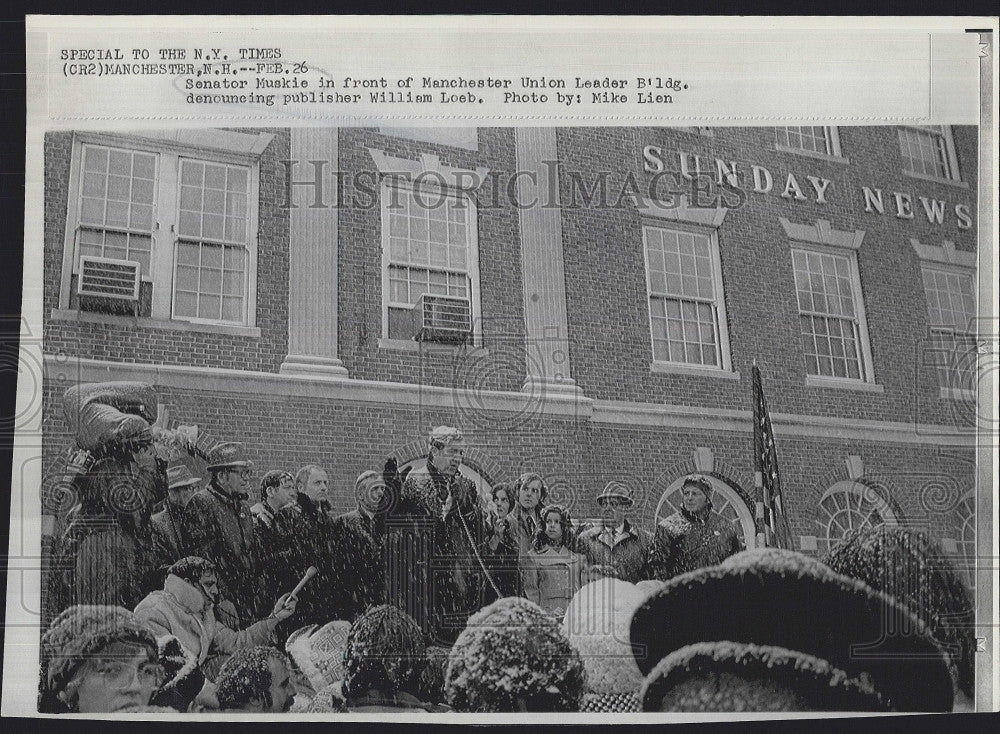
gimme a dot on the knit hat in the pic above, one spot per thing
(597, 626)
(83, 630)
(385, 650)
(513, 656)
(914, 570)
(729, 676)
(319, 652)
(785, 599)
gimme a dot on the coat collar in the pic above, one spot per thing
(232, 499)
(186, 595)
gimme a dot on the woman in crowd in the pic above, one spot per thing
(98, 660)
(502, 550)
(552, 573)
(525, 519)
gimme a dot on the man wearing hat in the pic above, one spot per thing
(694, 536)
(219, 525)
(169, 542)
(615, 545)
(444, 528)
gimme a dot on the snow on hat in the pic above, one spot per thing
(785, 599)
(385, 649)
(728, 676)
(319, 651)
(597, 625)
(513, 656)
(82, 630)
(912, 568)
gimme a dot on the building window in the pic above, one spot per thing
(834, 335)
(212, 252)
(928, 150)
(686, 304)
(813, 139)
(429, 247)
(187, 216)
(951, 313)
(117, 198)
(850, 505)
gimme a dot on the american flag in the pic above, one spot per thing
(772, 525)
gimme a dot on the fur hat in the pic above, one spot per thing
(83, 630)
(914, 570)
(785, 599)
(597, 625)
(729, 676)
(513, 656)
(319, 652)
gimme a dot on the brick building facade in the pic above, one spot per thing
(616, 321)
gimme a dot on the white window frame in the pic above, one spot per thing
(722, 321)
(865, 367)
(432, 191)
(832, 143)
(952, 174)
(220, 147)
(858, 493)
(947, 258)
(947, 330)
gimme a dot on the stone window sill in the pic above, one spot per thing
(669, 368)
(85, 317)
(813, 154)
(843, 384)
(937, 179)
(408, 345)
(957, 393)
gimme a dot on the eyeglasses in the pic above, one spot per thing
(121, 672)
(243, 473)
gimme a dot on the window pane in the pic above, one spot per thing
(186, 304)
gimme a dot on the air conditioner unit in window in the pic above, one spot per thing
(102, 277)
(442, 319)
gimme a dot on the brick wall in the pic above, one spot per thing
(606, 287)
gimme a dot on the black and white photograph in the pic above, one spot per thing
(517, 419)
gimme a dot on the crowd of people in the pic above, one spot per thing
(183, 593)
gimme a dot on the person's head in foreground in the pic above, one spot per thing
(597, 626)
(728, 676)
(256, 679)
(98, 660)
(914, 570)
(384, 658)
(771, 598)
(513, 657)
